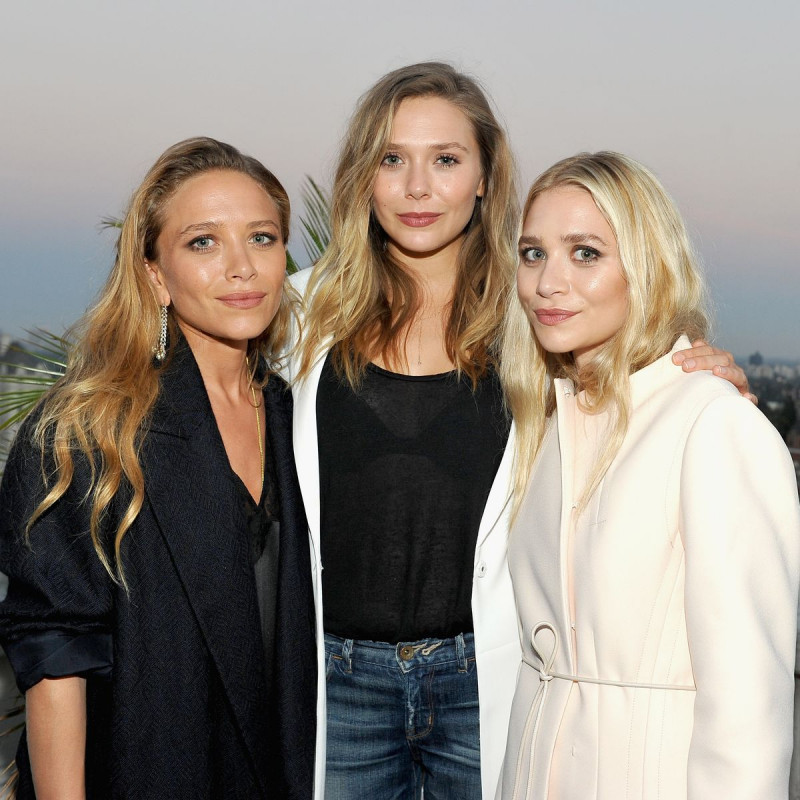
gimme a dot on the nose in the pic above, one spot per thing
(417, 181)
(553, 278)
(240, 264)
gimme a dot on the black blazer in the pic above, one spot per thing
(185, 711)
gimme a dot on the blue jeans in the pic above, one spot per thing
(402, 718)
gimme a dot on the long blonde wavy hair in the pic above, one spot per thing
(361, 299)
(666, 298)
(101, 405)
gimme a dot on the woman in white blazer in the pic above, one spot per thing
(658, 628)
(404, 304)
(402, 314)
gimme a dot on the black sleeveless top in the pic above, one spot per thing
(406, 465)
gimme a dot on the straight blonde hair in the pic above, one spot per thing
(666, 298)
(361, 300)
(100, 407)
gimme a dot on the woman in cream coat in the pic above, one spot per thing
(658, 629)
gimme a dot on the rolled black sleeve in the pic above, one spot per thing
(55, 620)
(53, 654)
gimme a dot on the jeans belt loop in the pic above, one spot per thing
(461, 653)
(347, 654)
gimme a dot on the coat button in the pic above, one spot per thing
(480, 569)
(406, 652)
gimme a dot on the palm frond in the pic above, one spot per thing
(110, 222)
(46, 345)
(44, 358)
(316, 221)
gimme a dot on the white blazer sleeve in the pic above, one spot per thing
(741, 531)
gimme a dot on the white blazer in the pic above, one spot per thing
(497, 646)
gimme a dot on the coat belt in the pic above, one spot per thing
(546, 672)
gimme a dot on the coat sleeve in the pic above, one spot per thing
(741, 532)
(56, 617)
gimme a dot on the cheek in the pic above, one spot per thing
(185, 282)
(617, 302)
(382, 190)
(465, 197)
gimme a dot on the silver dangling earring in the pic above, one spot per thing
(160, 352)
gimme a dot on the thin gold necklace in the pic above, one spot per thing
(257, 406)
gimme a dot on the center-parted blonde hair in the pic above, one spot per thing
(361, 299)
(101, 405)
(666, 298)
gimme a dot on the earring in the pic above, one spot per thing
(160, 352)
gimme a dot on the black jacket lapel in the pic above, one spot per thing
(190, 490)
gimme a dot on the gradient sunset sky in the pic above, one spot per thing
(704, 93)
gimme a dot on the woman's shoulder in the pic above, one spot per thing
(664, 383)
(27, 449)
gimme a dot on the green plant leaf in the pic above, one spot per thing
(316, 222)
(44, 362)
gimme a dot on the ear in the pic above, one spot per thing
(479, 192)
(157, 279)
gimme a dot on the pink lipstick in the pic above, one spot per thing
(242, 299)
(553, 316)
(416, 219)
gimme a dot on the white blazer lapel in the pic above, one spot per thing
(500, 493)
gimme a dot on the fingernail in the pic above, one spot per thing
(689, 363)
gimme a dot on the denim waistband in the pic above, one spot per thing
(405, 655)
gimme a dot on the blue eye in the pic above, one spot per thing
(586, 254)
(447, 161)
(201, 243)
(391, 160)
(532, 254)
(263, 239)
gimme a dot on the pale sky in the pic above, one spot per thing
(705, 93)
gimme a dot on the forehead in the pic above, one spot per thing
(218, 194)
(566, 209)
(431, 119)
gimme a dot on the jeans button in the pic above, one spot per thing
(406, 652)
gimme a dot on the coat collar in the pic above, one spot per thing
(182, 404)
(643, 384)
(650, 379)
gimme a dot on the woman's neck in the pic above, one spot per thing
(423, 345)
(222, 364)
(434, 273)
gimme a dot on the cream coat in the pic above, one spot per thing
(684, 569)
(494, 617)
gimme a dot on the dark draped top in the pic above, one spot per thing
(406, 465)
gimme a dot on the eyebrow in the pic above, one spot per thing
(570, 238)
(580, 238)
(435, 146)
(199, 226)
(213, 226)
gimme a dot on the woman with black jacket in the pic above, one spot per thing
(159, 615)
